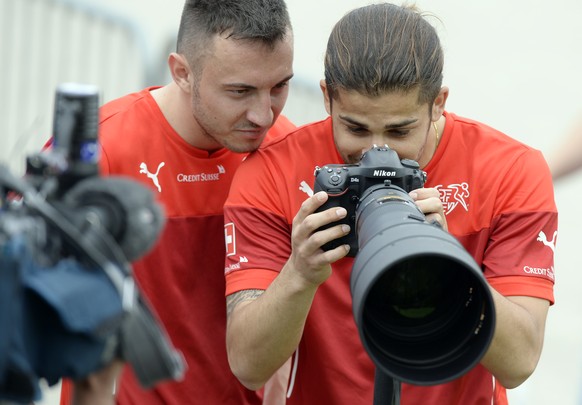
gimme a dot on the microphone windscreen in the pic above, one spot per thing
(125, 208)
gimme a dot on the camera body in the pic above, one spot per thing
(348, 184)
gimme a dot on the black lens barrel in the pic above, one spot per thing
(421, 303)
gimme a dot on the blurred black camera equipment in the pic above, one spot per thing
(421, 303)
(68, 302)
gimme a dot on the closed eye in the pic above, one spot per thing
(238, 92)
(357, 130)
(398, 133)
(282, 85)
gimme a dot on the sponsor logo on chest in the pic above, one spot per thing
(154, 176)
(202, 177)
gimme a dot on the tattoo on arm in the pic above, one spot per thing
(245, 295)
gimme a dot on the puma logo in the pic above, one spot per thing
(306, 188)
(551, 244)
(143, 169)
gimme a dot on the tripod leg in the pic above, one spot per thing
(386, 389)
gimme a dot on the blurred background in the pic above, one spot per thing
(513, 64)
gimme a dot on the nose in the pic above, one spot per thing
(260, 112)
(374, 140)
(378, 140)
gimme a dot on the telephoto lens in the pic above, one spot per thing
(423, 308)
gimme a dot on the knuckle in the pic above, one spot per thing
(319, 239)
(305, 205)
(309, 223)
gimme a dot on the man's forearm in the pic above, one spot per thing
(517, 343)
(263, 332)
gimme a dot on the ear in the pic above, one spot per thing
(438, 106)
(180, 71)
(326, 98)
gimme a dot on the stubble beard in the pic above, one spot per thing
(229, 143)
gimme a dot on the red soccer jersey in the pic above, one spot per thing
(182, 276)
(498, 200)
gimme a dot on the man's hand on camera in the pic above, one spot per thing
(307, 257)
(429, 202)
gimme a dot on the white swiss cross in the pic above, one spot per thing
(229, 239)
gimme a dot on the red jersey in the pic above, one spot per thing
(498, 199)
(182, 276)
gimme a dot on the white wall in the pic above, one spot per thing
(515, 65)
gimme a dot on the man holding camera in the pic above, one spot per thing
(288, 296)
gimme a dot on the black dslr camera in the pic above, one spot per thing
(69, 304)
(420, 301)
(349, 185)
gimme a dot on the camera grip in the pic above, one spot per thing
(333, 179)
(336, 201)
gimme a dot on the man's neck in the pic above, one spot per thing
(176, 108)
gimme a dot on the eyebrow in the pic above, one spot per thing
(389, 126)
(249, 87)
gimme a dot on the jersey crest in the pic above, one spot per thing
(453, 196)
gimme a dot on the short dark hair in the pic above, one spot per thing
(383, 48)
(266, 21)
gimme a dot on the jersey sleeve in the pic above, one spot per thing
(257, 232)
(519, 257)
